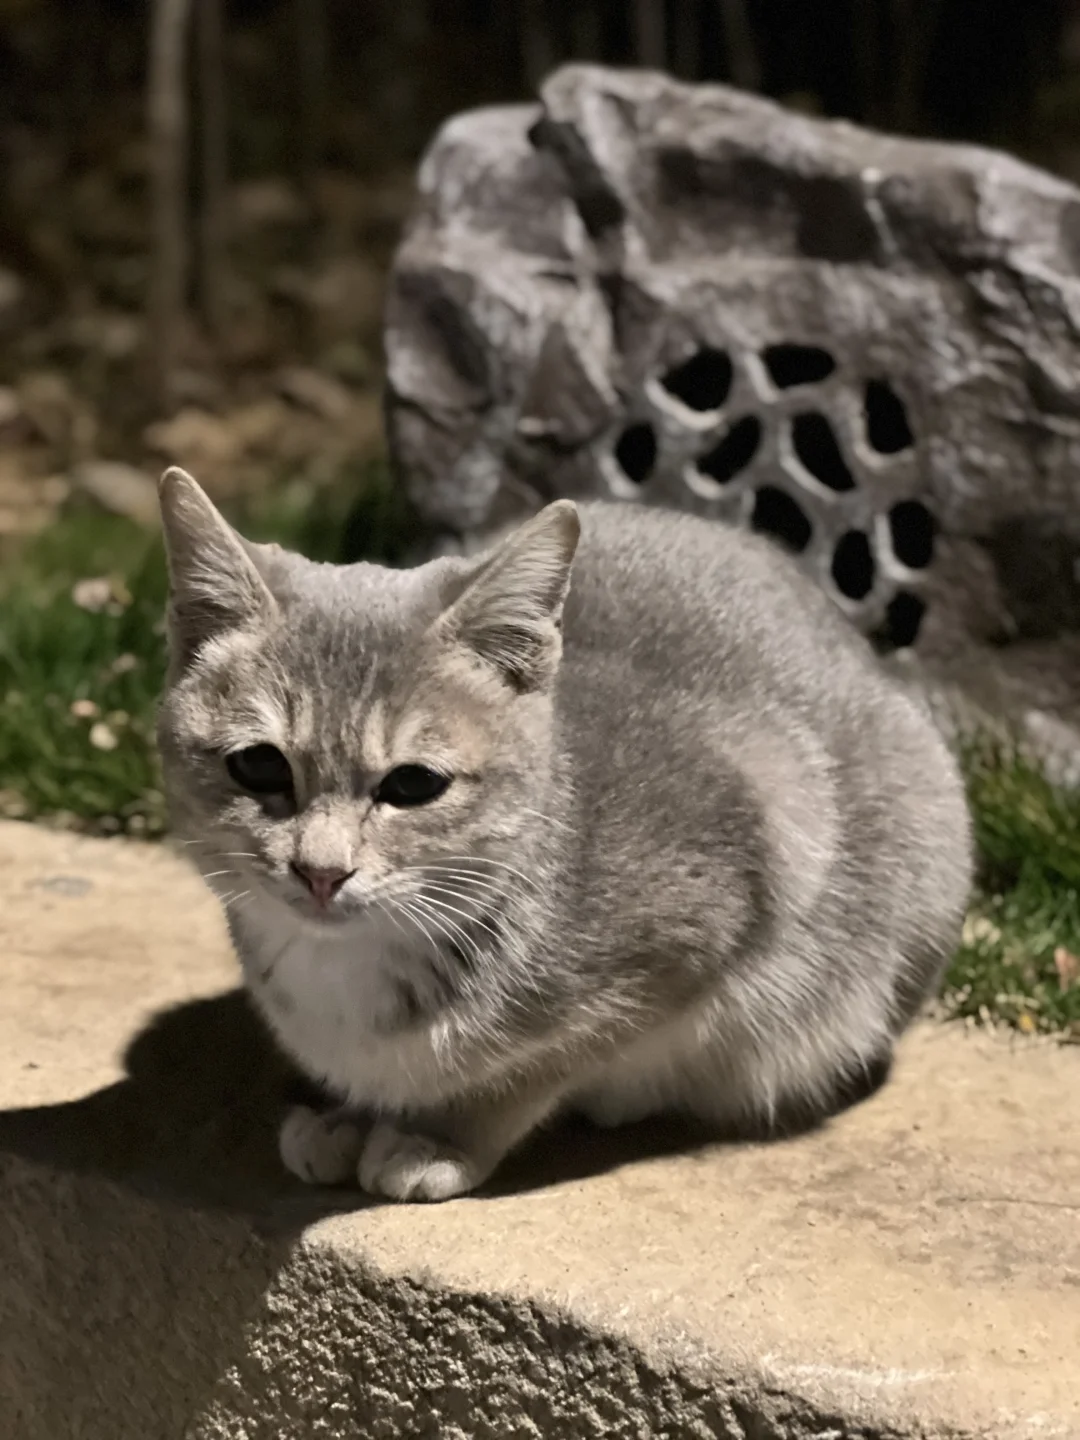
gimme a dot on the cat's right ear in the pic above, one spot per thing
(214, 585)
(510, 612)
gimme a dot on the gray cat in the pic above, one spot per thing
(496, 842)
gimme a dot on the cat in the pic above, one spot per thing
(620, 816)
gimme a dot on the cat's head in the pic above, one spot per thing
(341, 737)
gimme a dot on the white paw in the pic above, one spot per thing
(412, 1167)
(320, 1148)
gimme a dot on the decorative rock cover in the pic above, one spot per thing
(864, 346)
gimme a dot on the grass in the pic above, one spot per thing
(78, 685)
(82, 646)
(1019, 958)
(78, 688)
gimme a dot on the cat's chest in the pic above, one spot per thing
(357, 1010)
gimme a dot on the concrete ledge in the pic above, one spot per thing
(912, 1270)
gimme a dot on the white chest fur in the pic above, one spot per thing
(339, 1002)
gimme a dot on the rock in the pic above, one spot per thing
(119, 488)
(907, 1272)
(865, 346)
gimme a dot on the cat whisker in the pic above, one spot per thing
(408, 913)
(453, 932)
(471, 860)
(480, 878)
(386, 906)
(236, 899)
(486, 900)
(466, 877)
(441, 905)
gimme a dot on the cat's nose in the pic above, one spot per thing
(323, 884)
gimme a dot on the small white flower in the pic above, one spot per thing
(93, 595)
(102, 738)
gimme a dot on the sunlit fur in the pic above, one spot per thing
(698, 852)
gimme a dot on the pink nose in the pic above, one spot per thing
(323, 884)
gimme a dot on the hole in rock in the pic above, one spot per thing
(636, 452)
(819, 450)
(853, 565)
(734, 452)
(903, 617)
(702, 382)
(887, 427)
(911, 527)
(778, 515)
(790, 365)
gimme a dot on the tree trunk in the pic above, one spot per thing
(167, 123)
(650, 40)
(83, 41)
(586, 30)
(866, 43)
(311, 67)
(213, 236)
(537, 49)
(914, 29)
(686, 40)
(743, 63)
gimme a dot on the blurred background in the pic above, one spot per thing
(200, 200)
(200, 197)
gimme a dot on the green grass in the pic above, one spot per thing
(58, 658)
(1019, 959)
(72, 679)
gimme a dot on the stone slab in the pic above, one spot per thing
(911, 1270)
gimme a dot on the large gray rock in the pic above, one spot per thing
(686, 295)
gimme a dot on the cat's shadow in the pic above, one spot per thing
(109, 1195)
(196, 1114)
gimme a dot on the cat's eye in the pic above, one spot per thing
(411, 785)
(261, 769)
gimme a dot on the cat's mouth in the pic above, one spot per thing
(333, 914)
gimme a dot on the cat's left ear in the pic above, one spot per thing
(214, 585)
(510, 611)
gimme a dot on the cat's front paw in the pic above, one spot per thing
(322, 1148)
(405, 1166)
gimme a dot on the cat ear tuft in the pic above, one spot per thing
(214, 585)
(510, 611)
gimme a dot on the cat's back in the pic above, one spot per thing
(713, 701)
(696, 602)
